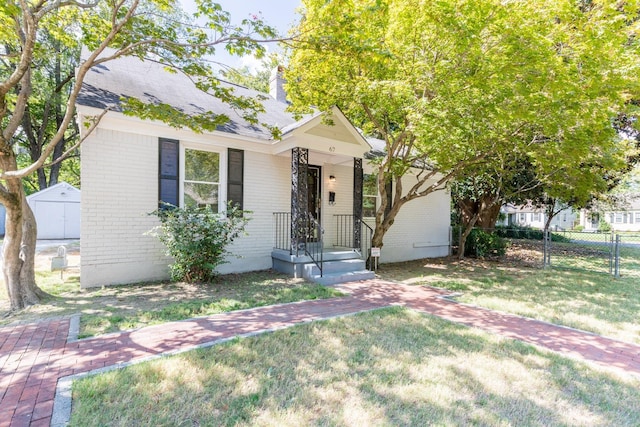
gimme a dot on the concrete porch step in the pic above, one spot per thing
(336, 266)
(342, 277)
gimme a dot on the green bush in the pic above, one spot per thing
(578, 228)
(197, 239)
(604, 226)
(481, 244)
(521, 232)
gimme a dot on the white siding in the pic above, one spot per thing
(421, 228)
(267, 189)
(120, 188)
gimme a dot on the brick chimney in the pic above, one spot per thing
(276, 85)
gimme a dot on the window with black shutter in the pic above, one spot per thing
(168, 176)
(235, 177)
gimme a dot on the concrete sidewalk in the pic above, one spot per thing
(34, 357)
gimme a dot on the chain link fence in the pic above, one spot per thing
(617, 254)
(626, 258)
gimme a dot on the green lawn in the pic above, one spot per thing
(585, 300)
(388, 367)
(116, 308)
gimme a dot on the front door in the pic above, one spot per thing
(314, 197)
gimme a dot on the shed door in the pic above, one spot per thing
(50, 220)
(72, 220)
(57, 220)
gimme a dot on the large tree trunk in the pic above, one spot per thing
(485, 211)
(19, 246)
(468, 227)
(482, 213)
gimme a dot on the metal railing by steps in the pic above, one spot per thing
(359, 241)
(312, 241)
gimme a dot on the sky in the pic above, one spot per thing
(277, 13)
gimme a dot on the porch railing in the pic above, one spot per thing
(282, 230)
(346, 238)
(314, 242)
(344, 230)
(365, 243)
(313, 237)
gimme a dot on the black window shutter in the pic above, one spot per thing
(168, 172)
(389, 188)
(235, 177)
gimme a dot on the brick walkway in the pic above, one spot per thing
(33, 357)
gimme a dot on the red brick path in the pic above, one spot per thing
(33, 357)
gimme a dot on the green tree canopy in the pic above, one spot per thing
(455, 83)
(152, 30)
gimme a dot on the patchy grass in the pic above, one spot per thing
(235, 292)
(115, 308)
(584, 300)
(388, 367)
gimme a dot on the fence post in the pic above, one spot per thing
(617, 260)
(611, 249)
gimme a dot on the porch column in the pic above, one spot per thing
(299, 198)
(358, 178)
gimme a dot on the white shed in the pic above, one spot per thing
(57, 211)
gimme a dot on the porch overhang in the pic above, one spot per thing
(336, 143)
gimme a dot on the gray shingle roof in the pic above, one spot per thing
(149, 81)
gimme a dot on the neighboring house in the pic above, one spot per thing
(57, 211)
(622, 219)
(316, 170)
(534, 217)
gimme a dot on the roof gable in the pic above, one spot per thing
(60, 191)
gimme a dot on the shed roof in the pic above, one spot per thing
(62, 191)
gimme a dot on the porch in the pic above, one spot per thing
(307, 256)
(322, 237)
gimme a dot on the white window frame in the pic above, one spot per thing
(637, 217)
(222, 178)
(618, 217)
(536, 217)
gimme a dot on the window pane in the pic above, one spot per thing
(201, 166)
(368, 206)
(201, 195)
(370, 185)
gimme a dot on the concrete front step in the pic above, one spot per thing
(295, 265)
(342, 277)
(330, 267)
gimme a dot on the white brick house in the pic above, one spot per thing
(130, 164)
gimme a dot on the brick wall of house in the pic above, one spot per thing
(120, 189)
(117, 194)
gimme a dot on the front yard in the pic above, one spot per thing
(388, 367)
(591, 301)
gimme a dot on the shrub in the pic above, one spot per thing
(481, 244)
(197, 239)
(520, 232)
(578, 228)
(604, 226)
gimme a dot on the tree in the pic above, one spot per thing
(245, 77)
(571, 183)
(453, 84)
(148, 29)
(45, 110)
